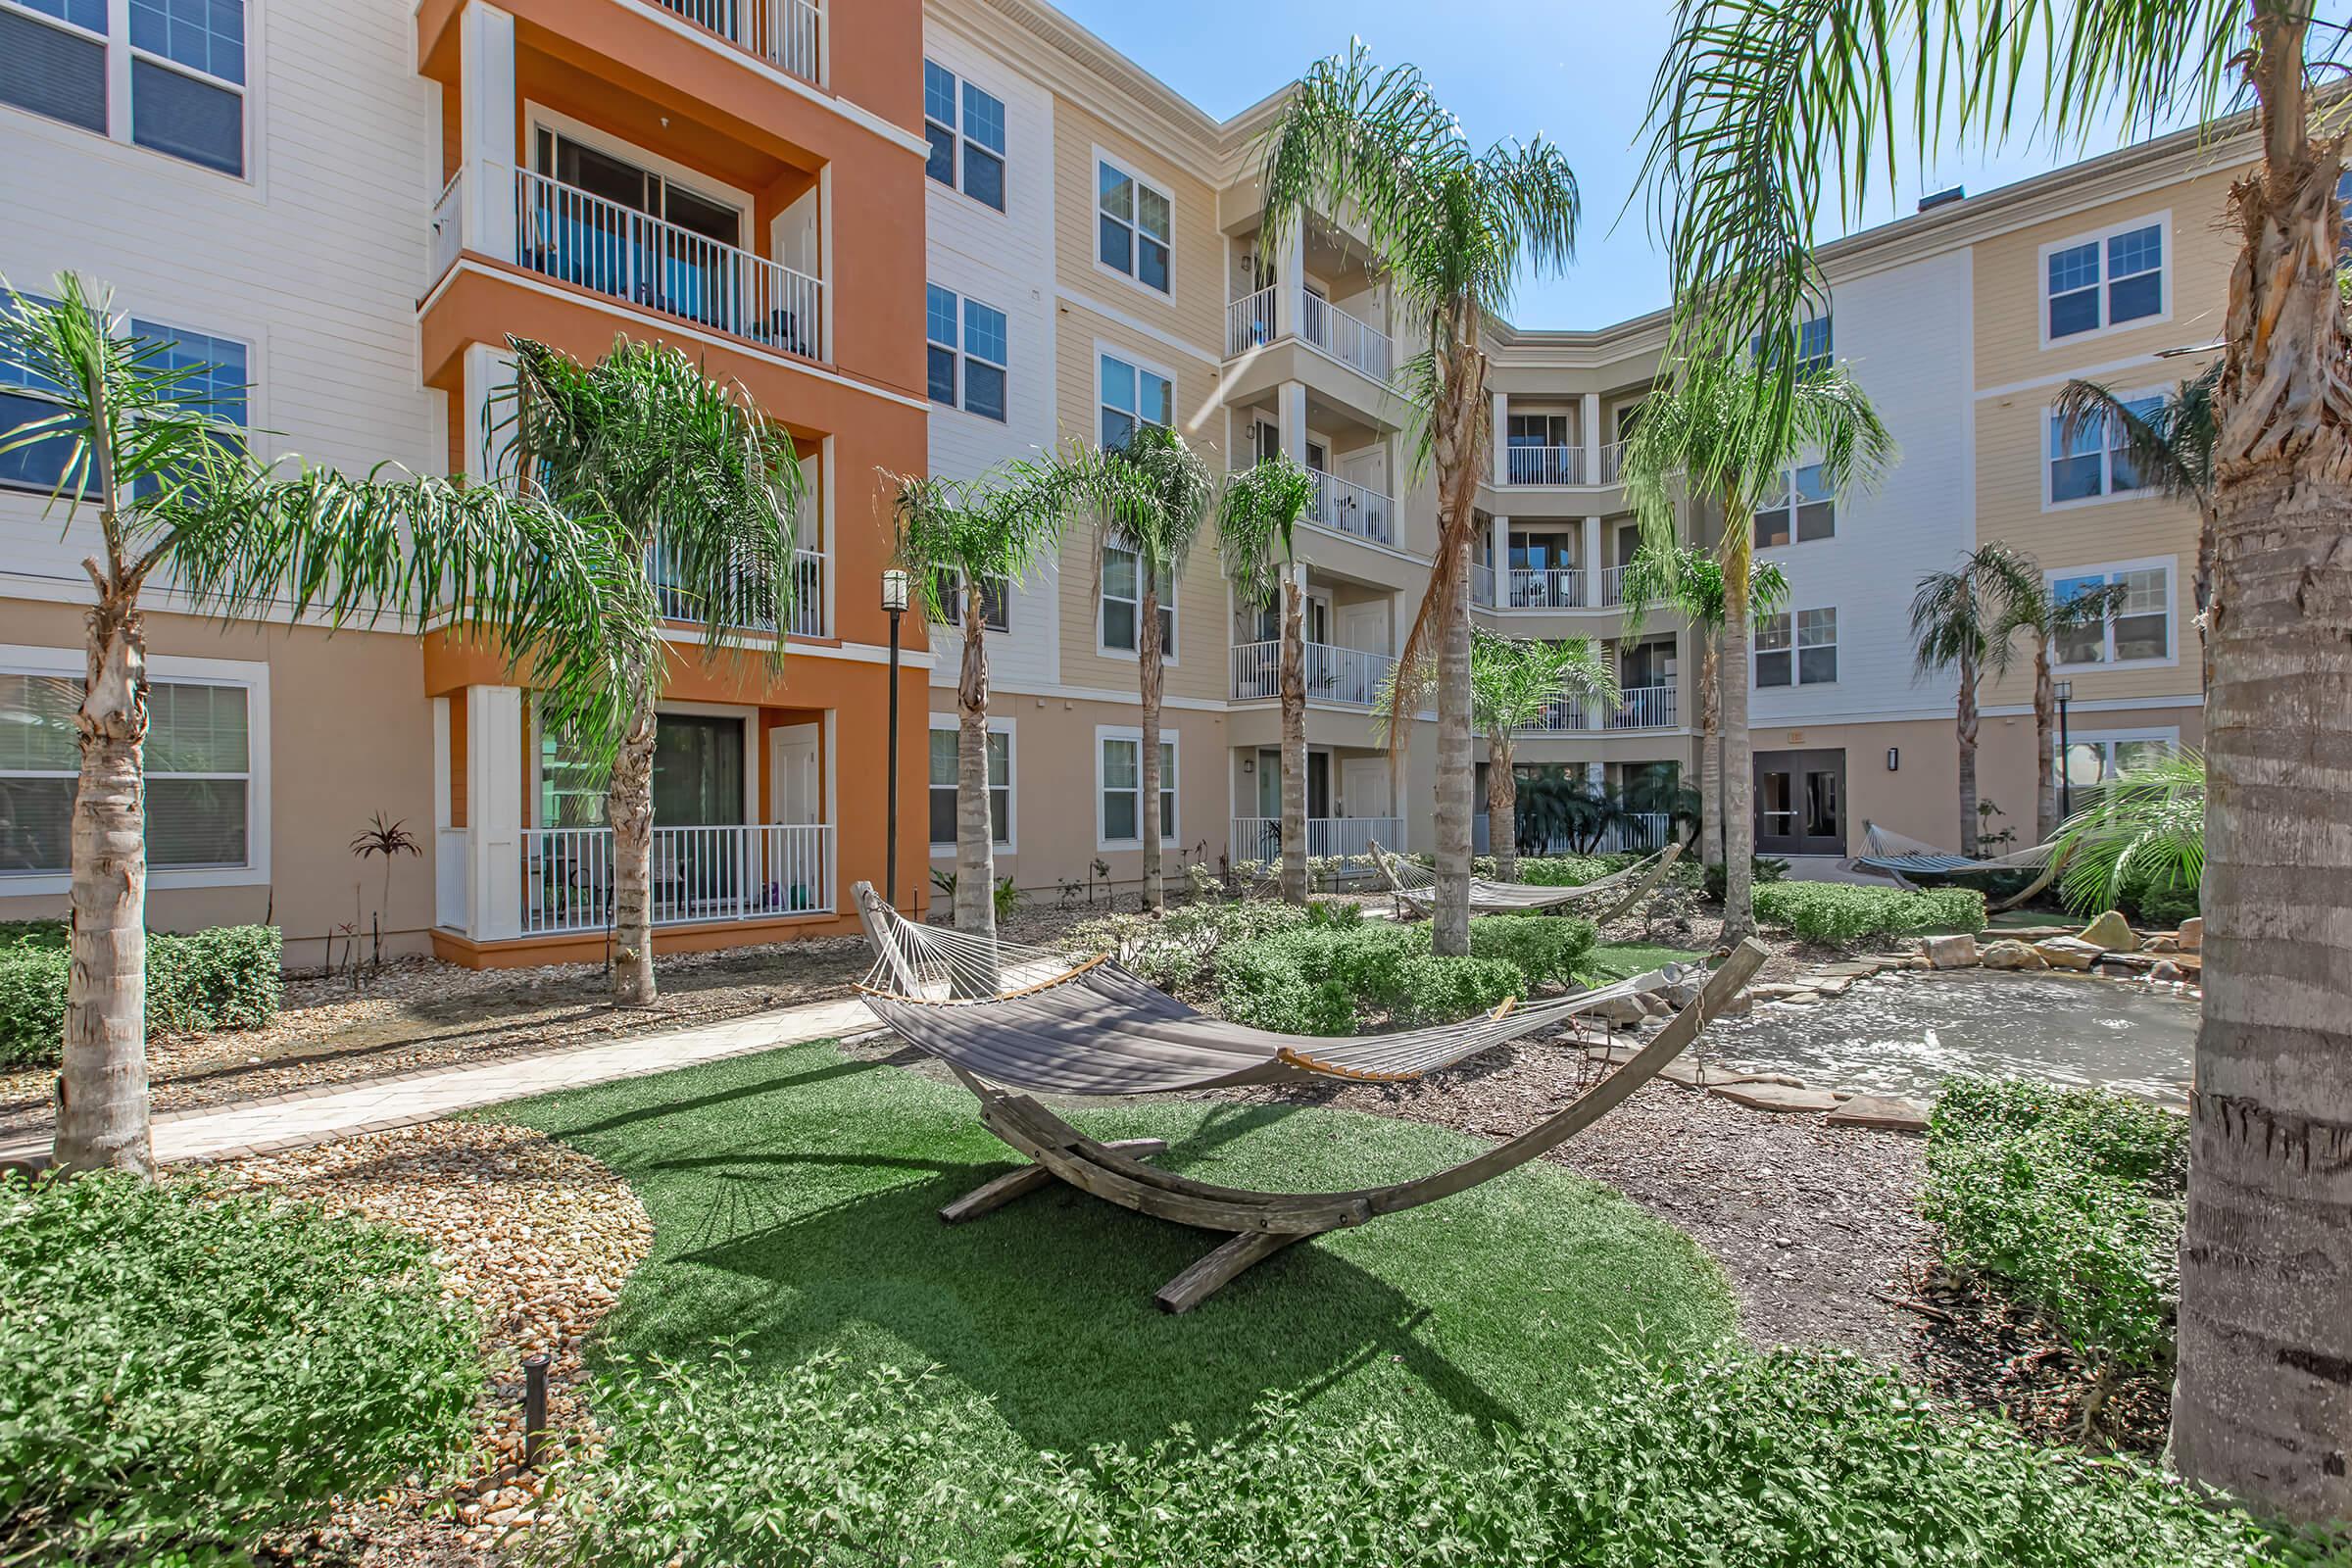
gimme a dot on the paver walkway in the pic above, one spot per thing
(339, 1110)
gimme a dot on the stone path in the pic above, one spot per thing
(319, 1115)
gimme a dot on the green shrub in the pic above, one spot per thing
(1776, 1460)
(1274, 984)
(1332, 975)
(1543, 948)
(1835, 913)
(182, 1371)
(2073, 1202)
(2156, 903)
(225, 978)
(31, 935)
(1177, 953)
(1761, 870)
(1442, 990)
(1564, 870)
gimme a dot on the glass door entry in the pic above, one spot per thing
(1801, 803)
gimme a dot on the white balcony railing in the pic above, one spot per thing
(1256, 319)
(808, 618)
(1259, 837)
(786, 33)
(1349, 508)
(1644, 707)
(449, 229)
(1546, 588)
(1348, 676)
(1612, 459)
(757, 872)
(1544, 466)
(451, 845)
(1612, 585)
(1640, 831)
(565, 233)
(1560, 715)
(1481, 583)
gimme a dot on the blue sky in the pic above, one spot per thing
(1580, 74)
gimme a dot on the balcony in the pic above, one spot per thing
(787, 35)
(1544, 466)
(1348, 507)
(1545, 588)
(1638, 831)
(1481, 584)
(1612, 586)
(1644, 707)
(808, 619)
(1612, 462)
(761, 871)
(1350, 676)
(1255, 321)
(1259, 837)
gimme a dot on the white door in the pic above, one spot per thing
(793, 791)
(1365, 626)
(1368, 468)
(1364, 782)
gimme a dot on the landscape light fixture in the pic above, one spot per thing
(895, 587)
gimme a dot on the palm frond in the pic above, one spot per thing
(1256, 526)
(2170, 448)
(1963, 617)
(1003, 524)
(1514, 679)
(2145, 829)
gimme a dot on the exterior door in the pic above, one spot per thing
(1365, 626)
(793, 793)
(1364, 786)
(1801, 803)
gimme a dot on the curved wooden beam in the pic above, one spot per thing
(1657, 874)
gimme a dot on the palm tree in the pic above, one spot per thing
(1512, 681)
(1255, 528)
(2143, 829)
(1689, 581)
(1769, 113)
(703, 491)
(178, 496)
(1657, 790)
(1961, 621)
(2036, 610)
(1454, 229)
(1155, 493)
(2169, 449)
(1696, 435)
(955, 538)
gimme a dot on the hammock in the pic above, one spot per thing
(1902, 858)
(1416, 885)
(1012, 1022)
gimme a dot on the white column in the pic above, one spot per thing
(486, 126)
(1592, 425)
(1289, 296)
(1595, 715)
(1591, 560)
(1290, 419)
(494, 756)
(486, 369)
(1502, 561)
(1502, 430)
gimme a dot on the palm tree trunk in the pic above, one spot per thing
(976, 827)
(2046, 765)
(1502, 805)
(1293, 739)
(1710, 747)
(102, 1120)
(1967, 729)
(1450, 915)
(1739, 766)
(629, 808)
(2263, 1401)
(1147, 656)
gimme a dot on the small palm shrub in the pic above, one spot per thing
(1835, 913)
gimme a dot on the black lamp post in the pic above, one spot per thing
(2065, 691)
(894, 601)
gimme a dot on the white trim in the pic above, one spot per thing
(2097, 705)
(2107, 494)
(2109, 738)
(952, 723)
(856, 114)
(2088, 372)
(119, 53)
(1157, 334)
(1795, 650)
(2170, 566)
(961, 138)
(537, 117)
(169, 670)
(2163, 224)
(1168, 786)
(1124, 165)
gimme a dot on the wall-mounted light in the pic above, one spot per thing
(1249, 764)
(1894, 758)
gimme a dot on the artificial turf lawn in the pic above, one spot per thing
(794, 1195)
(1622, 961)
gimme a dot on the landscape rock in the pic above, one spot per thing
(1620, 1010)
(2110, 931)
(1683, 993)
(2166, 969)
(2161, 945)
(2192, 934)
(1801, 999)
(1889, 1112)
(2069, 952)
(1952, 953)
(1777, 1097)
(2011, 956)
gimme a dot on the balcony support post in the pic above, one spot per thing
(1290, 284)
(494, 771)
(1590, 559)
(1502, 444)
(486, 126)
(1589, 421)
(1502, 559)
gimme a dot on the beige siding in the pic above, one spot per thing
(1195, 309)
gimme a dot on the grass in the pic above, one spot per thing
(793, 1195)
(1621, 961)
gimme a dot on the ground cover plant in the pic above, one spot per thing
(228, 977)
(1336, 978)
(1835, 913)
(182, 1372)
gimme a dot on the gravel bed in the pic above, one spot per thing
(538, 1238)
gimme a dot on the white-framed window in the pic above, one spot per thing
(2094, 282)
(996, 597)
(1134, 221)
(2095, 463)
(1119, 788)
(206, 770)
(972, 356)
(184, 63)
(1803, 510)
(1123, 604)
(965, 127)
(1798, 649)
(218, 378)
(2138, 632)
(2104, 755)
(946, 739)
(1131, 394)
(1814, 344)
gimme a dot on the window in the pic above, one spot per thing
(1537, 430)
(945, 754)
(996, 595)
(2096, 758)
(984, 352)
(1122, 604)
(216, 381)
(56, 71)
(2104, 281)
(1802, 512)
(2141, 629)
(982, 137)
(1133, 396)
(186, 62)
(2095, 461)
(1134, 219)
(1812, 661)
(199, 774)
(1813, 354)
(1121, 780)
(40, 465)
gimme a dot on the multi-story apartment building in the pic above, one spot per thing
(776, 192)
